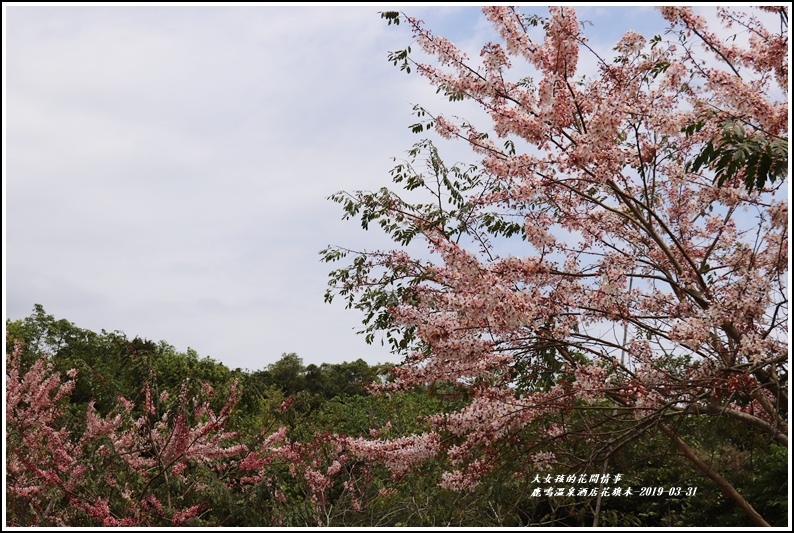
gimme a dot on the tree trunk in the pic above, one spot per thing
(726, 487)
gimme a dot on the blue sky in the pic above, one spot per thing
(167, 167)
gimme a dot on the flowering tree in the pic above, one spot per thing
(123, 469)
(170, 461)
(643, 287)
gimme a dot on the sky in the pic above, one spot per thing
(167, 169)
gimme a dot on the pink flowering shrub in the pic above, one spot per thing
(173, 464)
(122, 470)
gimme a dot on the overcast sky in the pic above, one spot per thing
(167, 167)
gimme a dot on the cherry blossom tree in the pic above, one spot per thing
(593, 276)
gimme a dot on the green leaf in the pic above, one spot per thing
(392, 17)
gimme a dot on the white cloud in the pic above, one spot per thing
(168, 167)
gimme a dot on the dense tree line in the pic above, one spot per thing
(77, 401)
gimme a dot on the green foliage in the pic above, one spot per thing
(288, 373)
(443, 209)
(392, 17)
(110, 365)
(735, 152)
(334, 398)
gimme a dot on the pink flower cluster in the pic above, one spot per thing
(620, 238)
